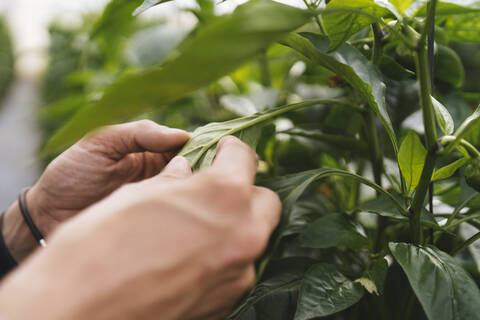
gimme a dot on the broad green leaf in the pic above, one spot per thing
(444, 7)
(215, 49)
(348, 63)
(394, 70)
(147, 4)
(450, 169)
(444, 119)
(448, 66)
(444, 289)
(325, 291)
(283, 280)
(401, 5)
(342, 19)
(411, 158)
(330, 231)
(200, 149)
(373, 279)
(463, 27)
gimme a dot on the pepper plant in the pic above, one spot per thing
(359, 114)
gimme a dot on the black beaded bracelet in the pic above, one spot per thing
(22, 202)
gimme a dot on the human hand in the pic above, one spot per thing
(176, 246)
(99, 164)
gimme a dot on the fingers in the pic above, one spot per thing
(266, 209)
(139, 136)
(235, 160)
(177, 168)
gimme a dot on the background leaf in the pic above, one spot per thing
(463, 28)
(216, 49)
(325, 291)
(341, 25)
(348, 63)
(444, 288)
(330, 231)
(411, 159)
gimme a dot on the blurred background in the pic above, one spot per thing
(41, 42)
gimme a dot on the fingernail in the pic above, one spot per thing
(226, 140)
(177, 131)
(178, 163)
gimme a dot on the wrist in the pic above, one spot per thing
(16, 234)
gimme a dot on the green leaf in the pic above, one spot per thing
(450, 169)
(444, 119)
(147, 4)
(116, 18)
(463, 28)
(401, 5)
(330, 231)
(342, 19)
(201, 148)
(444, 289)
(286, 278)
(215, 49)
(325, 291)
(376, 274)
(350, 65)
(448, 66)
(411, 158)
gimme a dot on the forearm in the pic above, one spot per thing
(18, 238)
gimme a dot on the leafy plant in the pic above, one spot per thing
(359, 112)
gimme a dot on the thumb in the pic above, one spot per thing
(177, 168)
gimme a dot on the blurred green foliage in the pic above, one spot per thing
(6, 57)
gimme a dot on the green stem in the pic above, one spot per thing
(472, 151)
(265, 70)
(423, 75)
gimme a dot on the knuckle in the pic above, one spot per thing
(246, 280)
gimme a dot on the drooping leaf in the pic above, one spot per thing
(330, 231)
(444, 119)
(216, 49)
(444, 289)
(373, 279)
(463, 27)
(348, 63)
(449, 170)
(325, 291)
(411, 159)
(342, 19)
(147, 4)
(200, 149)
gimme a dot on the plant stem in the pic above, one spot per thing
(472, 151)
(265, 70)
(467, 243)
(423, 75)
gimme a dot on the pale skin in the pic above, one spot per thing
(169, 245)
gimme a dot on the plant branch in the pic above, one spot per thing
(423, 75)
(447, 140)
